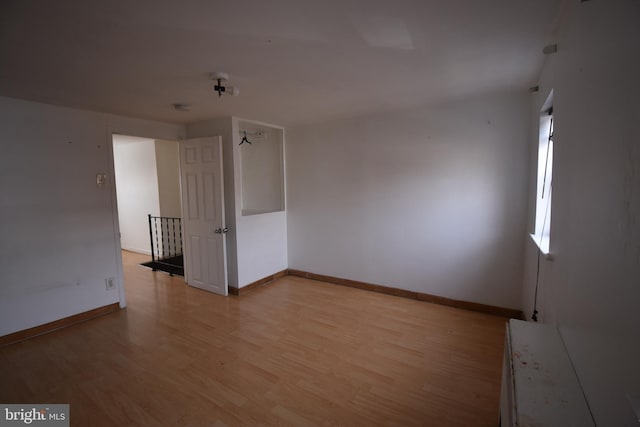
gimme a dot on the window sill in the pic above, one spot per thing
(542, 242)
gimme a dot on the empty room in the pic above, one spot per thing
(305, 213)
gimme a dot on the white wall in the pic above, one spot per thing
(262, 163)
(137, 190)
(167, 157)
(261, 239)
(591, 289)
(168, 167)
(429, 200)
(59, 230)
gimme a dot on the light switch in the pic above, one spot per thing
(101, 179)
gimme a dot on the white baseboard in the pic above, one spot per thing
(137, 250)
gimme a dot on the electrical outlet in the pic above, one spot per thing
(110, 283)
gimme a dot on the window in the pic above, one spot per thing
(545, 173)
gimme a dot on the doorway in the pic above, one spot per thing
(156, 182)
(147, 178)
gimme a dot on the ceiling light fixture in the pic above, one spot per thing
(221, 77)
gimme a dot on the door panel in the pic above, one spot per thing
(214, 250)
(192, 196)
(191, 154)
(208, 155)
(195, 261)
(209, 185)
(203, 204)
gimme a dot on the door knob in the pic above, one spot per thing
(224, 230)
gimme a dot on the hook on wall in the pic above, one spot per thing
(244, 139)
(253, 134)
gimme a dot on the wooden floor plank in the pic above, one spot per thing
(296, 352)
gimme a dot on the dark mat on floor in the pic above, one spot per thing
(173, 265)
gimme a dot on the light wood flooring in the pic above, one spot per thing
(296, 352)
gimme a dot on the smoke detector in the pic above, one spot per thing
(179, 106)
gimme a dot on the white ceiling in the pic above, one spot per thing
(295, 61)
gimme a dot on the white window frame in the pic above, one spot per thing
(542, 233)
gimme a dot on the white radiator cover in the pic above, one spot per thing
(539, 384)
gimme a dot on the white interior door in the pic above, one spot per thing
(204, 237)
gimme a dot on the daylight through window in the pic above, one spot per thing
(545, 173)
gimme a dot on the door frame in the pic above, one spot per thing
(111, 183)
